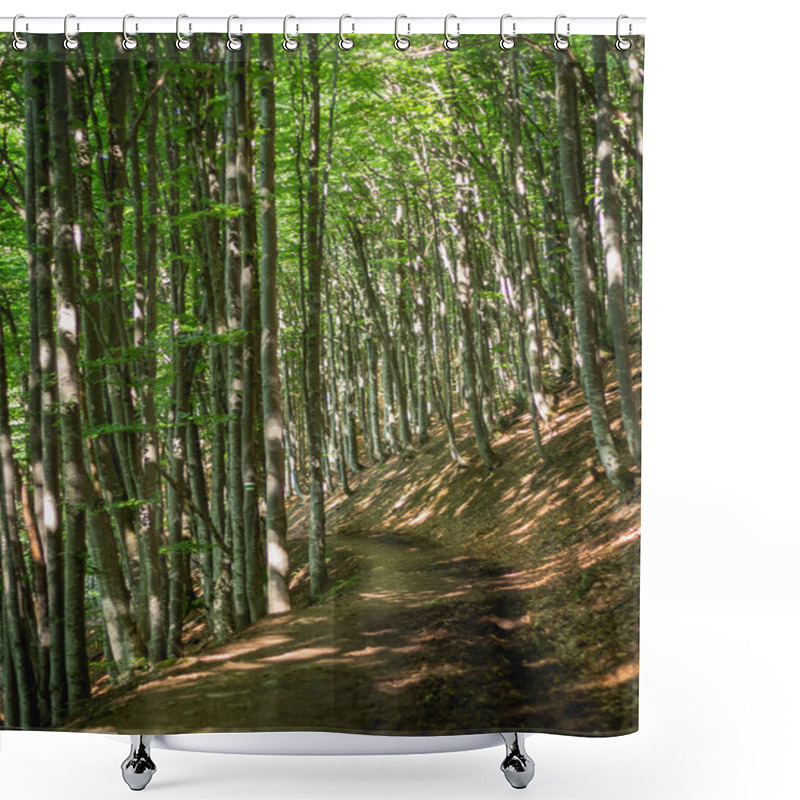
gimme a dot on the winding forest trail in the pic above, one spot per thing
(458, 602)
(421, 639)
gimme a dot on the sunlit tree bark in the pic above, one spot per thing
(253, 549)
(83, 506)
(233, 273)
(611, 226)
(585, 294)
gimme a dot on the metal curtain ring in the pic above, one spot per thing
(400, 42)
(449, 42)
(345, 42)
(560, 43)
(506, 42)
(289, 44)
(70, 42)
(623, 44)
(182, 43)
(17, 42)
(128, 42)
(233, 44)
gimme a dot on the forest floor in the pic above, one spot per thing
(458, 597)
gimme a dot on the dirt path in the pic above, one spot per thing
(421, 640)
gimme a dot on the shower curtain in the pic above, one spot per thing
(319, 384)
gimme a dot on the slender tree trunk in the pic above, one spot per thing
(253, 550)
(610, 219)
(43, 424)
(352, 407)
(233, 271)
(179, 578)
(102, 448)
(313, 334)
(464, 291)
(9, 694)
(197, 483)
(216, 279)
(389, 417)
(290, 434)
(80, 493)
(143, 386)
(69, 562)
(13, 620)
(39, 621)
(379, 454)
(421, 352)
(394, 385)
(585, 295)
(444, 335)
(117, 479)
(278, 601)
(335, 329)
(150, 512)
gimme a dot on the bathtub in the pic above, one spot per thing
(139, 767)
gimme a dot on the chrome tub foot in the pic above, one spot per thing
(138, 768)
(517, 766)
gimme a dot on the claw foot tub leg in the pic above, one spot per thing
(138, 768)
(518, 766)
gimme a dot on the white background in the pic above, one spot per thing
(720, 603)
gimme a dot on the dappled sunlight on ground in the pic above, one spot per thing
(622, 674)
(303, 654)
(454, 593)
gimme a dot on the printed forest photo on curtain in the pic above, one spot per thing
(320, 379)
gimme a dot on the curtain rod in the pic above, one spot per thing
(408, 26)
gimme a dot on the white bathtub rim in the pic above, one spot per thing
(319, 743)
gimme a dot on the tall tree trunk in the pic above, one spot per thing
(527, 246)
(610, 220)
(81, 497)
(464, 292)
(421, 351)
(43, 419)
(143, 386)
(278, 601)
(215, 277)
(69, 557)
(444, 336)
(113, 451)
(102, 444)
(150, 512)
(253, 550)
(352, 407)
(585, 295)
(313, 334)
(337, 434)
(233, 270)
(378, 452)
(180, 409)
